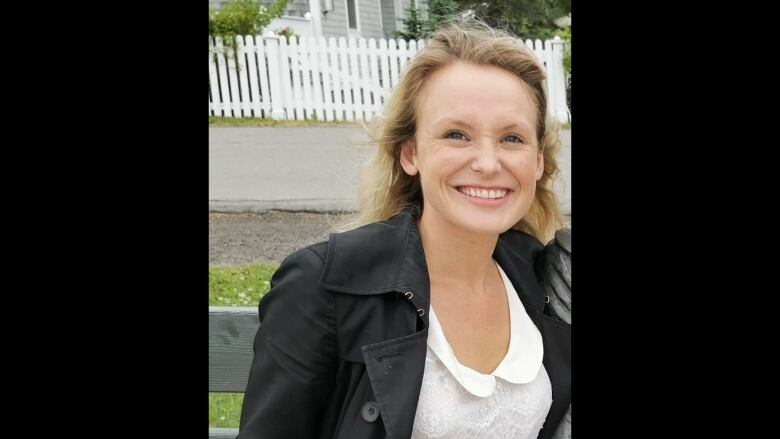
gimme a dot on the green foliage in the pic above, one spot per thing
(413, 24)
(525, 18)
(565, 35)
(286, 32)
(242, 17)
(439, 13)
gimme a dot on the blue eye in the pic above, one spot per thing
(513, 139)
(455, 135)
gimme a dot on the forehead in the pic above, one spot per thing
(483, 94)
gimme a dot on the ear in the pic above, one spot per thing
(539, 165)
(409, 157)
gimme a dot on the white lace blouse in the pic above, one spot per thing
(459, 402)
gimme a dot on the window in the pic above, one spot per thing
(352, 14)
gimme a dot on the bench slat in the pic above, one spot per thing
(223, 433)
(232, 331)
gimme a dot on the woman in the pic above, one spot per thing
(430, 320)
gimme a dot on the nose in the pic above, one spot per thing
(487, 162)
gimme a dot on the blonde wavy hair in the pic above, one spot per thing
(385, 190)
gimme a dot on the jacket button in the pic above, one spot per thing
(420, 312)
(370, 411)
(408, 295)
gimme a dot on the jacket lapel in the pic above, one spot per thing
(383, 258)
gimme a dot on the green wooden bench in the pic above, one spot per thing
(231, 334)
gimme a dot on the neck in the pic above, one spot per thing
(457, 259)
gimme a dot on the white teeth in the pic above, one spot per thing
(482, 193)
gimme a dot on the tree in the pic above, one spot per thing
(243, 17)
(439, 12)
(524, 18)
(413, 24)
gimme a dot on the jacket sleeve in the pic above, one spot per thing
(556, 278)
(555, 273)
(294, 365)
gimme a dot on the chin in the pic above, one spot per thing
(485, 225)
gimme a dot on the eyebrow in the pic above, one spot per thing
(449, 120)
(454, 122)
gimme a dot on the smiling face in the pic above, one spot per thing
(475, 148)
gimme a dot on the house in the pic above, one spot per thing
(342, 18)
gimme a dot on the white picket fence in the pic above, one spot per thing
(330, 79)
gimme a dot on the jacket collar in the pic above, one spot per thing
(388, 256)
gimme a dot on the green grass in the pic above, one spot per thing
(225, 409)
(241, 285)
(216, 121)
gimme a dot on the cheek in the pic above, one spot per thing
(525, 169)
(443, 165)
